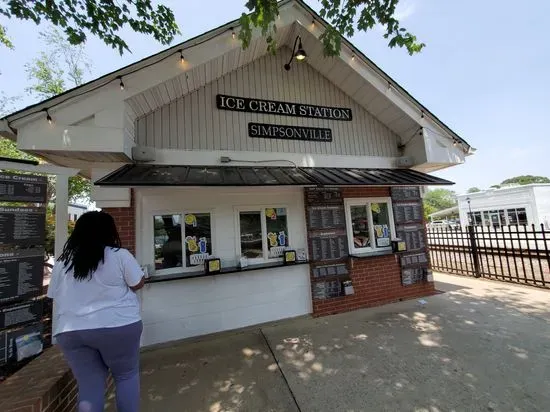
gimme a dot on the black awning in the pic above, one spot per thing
(161, 175)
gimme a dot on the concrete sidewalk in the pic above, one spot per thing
(481, 346)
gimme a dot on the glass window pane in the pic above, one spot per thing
(167, 241)
(502, 214)
(522, 216)
(512, 217)
(251, 234)
(360, 226)
(277, 231)
(486, 218)
(477, 218)
(198, 238)
(381, 222)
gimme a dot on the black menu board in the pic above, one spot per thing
(325, 290)
(22, 226)
(328, 242)
(21, 274)
(322, 196)
(326, 217)
(408, 216)
(23, 188)
(412, 276)
(8, 343)
(328, 246)
(15, 315)
(330, 270)
(405, 193)
(408, 212)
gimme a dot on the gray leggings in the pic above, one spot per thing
(91, 353)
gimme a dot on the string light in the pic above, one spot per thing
(422, 115)
(353, 57)
(233, 33)
(389, 86)
(121, 83)
(455, 143)
(182, 59)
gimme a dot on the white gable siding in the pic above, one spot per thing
(194, 123)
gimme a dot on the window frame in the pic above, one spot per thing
(367, 201)
(263, 222)
(184, 268)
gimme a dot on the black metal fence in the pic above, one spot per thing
(514, 254)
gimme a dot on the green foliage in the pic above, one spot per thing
(102, 18)
(439, 199)
(61, 64)
(428, 210)
(47, 76)
(4, 39)
(49, 244)
(525, 180)
(344, 17)
(474, 190)
(106, 18)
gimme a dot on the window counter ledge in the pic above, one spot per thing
(371, 254)
(224, 271)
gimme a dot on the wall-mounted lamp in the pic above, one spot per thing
(48, 117)
(297, 53)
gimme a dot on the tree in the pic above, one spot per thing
(106, 18)
(49, 79)
(525, 180)
(439, 199)
(474, 190)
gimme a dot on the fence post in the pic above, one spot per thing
(475, 254)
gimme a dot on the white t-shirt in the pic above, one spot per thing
(104, 301)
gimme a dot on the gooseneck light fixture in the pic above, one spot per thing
(297, 53)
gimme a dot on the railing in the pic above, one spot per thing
(515, 254)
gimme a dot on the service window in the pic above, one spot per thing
(181, 240)
(263, 233)
(369, 225)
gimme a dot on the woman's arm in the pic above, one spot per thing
(139, 285)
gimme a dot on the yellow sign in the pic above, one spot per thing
(270, 213)
(191, 220)
(214, 265)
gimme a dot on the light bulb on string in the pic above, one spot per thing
(182, 59)
(353, 57)
(233, 33)
(121, 83)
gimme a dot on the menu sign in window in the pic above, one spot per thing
(21, 274)
(23, 188)
(23, 226)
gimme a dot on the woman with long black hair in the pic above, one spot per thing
(98, 323)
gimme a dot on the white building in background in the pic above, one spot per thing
(508, 206)
(76, 210)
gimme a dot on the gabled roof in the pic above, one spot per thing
(352, 72)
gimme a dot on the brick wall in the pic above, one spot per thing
(125, 219)
(46, 384)
(376, 280)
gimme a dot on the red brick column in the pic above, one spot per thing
(376, 280)
(125, 219)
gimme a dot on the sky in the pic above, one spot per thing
(484, 72)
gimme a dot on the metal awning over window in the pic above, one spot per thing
(161, 175)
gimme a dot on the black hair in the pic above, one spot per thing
(84, 250)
